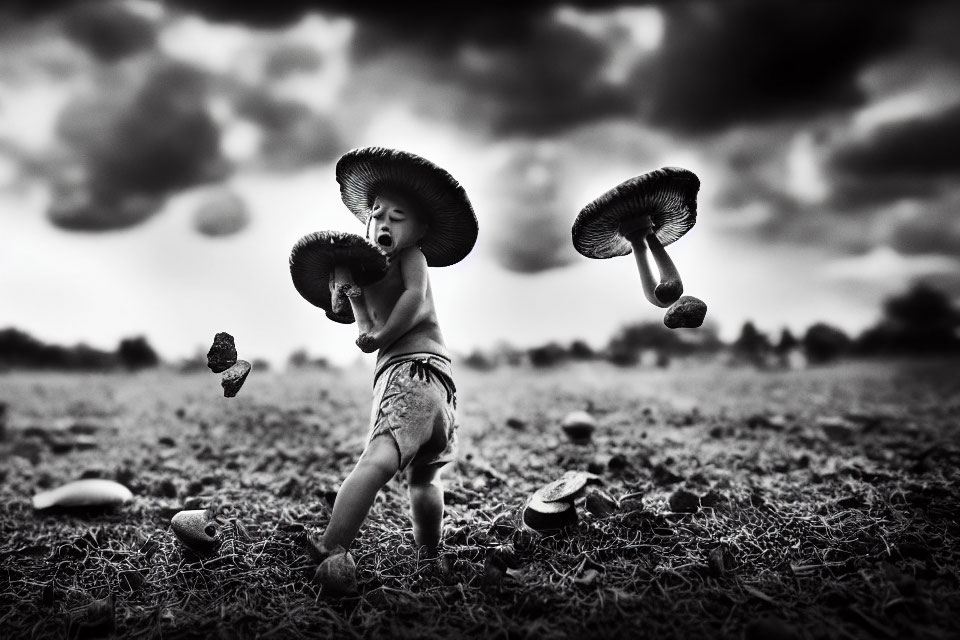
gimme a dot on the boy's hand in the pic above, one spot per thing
(367, 342)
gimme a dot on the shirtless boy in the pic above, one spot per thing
(420, 216)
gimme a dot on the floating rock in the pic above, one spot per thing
(90, 492)
(600, 503)
(579, 427)
(196, 528)
(686, 313)
(683, 501)
(548, 516)
(223, 353)
(337, 575)
(569, 487)
(234, 377)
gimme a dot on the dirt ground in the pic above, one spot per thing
(824, 505)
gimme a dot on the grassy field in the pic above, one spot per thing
(828, 506)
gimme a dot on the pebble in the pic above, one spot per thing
(548, 516)
(337, 575)
(222, 354)
(686, 313)
(234, 377)
(196, 528)
(682, 501)
(600, 503)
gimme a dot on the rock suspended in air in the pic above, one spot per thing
(197, 529)
(222, 354)
(686, 313)
(234, 377)
(90, 492)
(579, 427)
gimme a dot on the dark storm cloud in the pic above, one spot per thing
(107, 30)
(911, 158)
(523, 72)
(293, 134)
(728, 63)
(128, 148)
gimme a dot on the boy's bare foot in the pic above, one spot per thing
(337, 575)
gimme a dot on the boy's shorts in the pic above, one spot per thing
(414, 400)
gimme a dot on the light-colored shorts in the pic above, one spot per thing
(415, 401)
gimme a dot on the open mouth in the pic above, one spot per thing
(384, 240)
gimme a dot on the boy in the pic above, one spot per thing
(420, 216)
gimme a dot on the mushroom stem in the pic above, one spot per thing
(359, 306)
(671, 287)
(646, 275)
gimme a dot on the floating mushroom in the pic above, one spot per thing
(568, 488)
(549, 516)
(328, 267)
(90, 492)
(651, 210)
(686, 313)
(579, 427)
(222, 354)
(234, 377)
(196, 528)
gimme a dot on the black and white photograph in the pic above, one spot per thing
(532, 320)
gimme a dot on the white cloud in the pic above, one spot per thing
(883, 264)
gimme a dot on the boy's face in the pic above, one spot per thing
(394, 224)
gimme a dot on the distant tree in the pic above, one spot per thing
(548, 355)
(580, 350)
(136, 353)
(922, 321)
(298, 359)
(824, 343)
(752, 345)
(478, 360)
(787, 342)
(260, 364)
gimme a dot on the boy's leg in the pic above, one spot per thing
(379, 462)
(426, 504)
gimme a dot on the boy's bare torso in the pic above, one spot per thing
(380, 299)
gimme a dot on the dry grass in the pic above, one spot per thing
(829, 507)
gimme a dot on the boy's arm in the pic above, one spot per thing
(406, 313)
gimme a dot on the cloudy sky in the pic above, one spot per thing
(158, 160)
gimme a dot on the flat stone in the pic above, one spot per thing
(686, 313)
(222, 354)
(600, 503)
(549, 516)
(570, 486)
(90, 492)
(234, 377)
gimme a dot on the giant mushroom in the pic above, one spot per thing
(651, 210)
(329, 267)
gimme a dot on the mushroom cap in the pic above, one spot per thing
(667, 195)
(363, 173)
(569, 487)
(89, 492)
(196, 528)
(317, 254)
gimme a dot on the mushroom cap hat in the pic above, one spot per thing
(667, 195)
(452, 224)
(317, 254)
